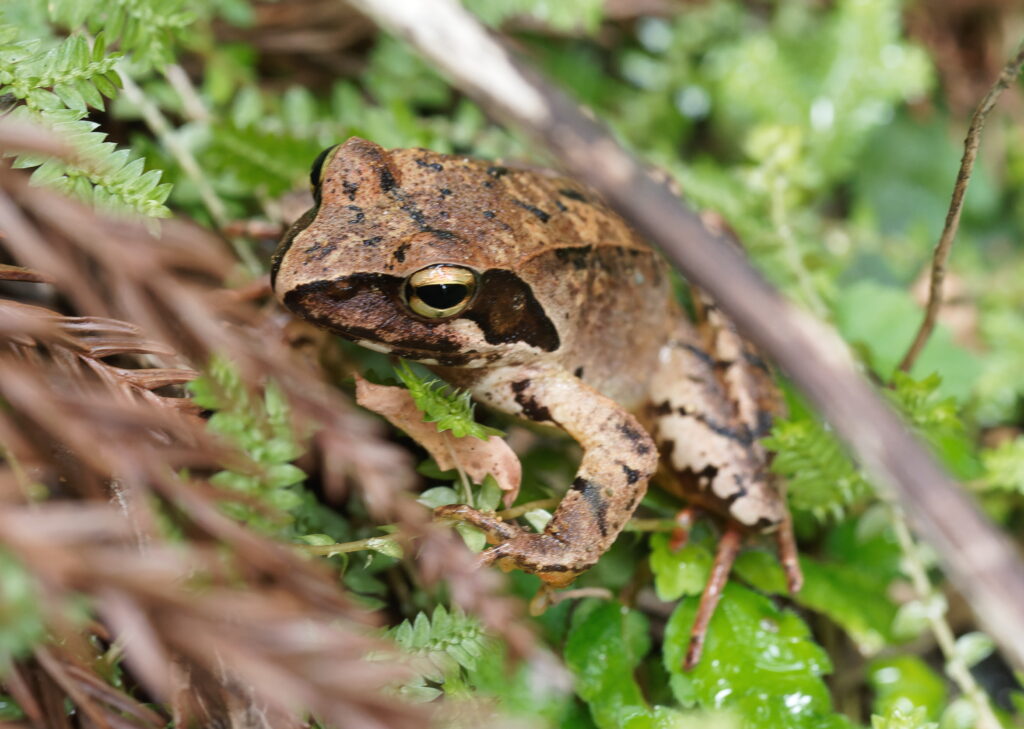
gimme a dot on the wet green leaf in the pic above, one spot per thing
(758, 661)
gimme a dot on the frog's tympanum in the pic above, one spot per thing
(525, 288)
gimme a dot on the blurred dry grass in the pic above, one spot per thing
(100, 324)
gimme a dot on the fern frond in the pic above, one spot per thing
(450, 409)
(450, 641)
(73, 74)
(148, 30)
(821, 478)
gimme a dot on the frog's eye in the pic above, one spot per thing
(440, 291)
(316, 172)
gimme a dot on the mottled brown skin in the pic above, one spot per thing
(573, 324)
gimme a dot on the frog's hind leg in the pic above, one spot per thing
(785, 542)
(728, 549)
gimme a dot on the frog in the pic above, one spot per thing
(524, 288)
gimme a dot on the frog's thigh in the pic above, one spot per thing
(704, 444)
(618, 459)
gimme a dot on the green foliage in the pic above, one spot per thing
(148, 30)
(1004, 466)
(758, 661)
(567, 15)
(451, 644)
(903, 683)
(879, 321)
(820, 478)
(261, 428)
(448, 408)
(901, 718)
(604, 647)
(57, 83)
(21, 615)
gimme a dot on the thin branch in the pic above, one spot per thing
(942, 249)
(981, 562)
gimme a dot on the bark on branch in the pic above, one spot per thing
(979, 559)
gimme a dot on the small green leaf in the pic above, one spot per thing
(972, 648)
(488, 497)
(386, 546)
(475, 539)
(758, 660)
(538, 519)
(903, 717)
(902, 681)
(438, 496)
(283, 474)
(678, 572)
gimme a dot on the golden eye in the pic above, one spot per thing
(316, 172)
(436, 292)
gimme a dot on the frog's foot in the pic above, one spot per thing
(684, 519)
(555, 560)
(497, 531)
(728, 549)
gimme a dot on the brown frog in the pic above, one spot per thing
(525, 288)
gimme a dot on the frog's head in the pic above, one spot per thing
(403, 253)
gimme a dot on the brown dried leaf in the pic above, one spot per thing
(476, 457)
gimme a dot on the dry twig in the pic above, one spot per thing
(979, 559)
(942, 250)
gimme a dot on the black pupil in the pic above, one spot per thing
(442, 296)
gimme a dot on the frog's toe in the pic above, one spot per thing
(497, 531)
(551, 559)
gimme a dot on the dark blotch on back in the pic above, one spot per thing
(572, 195)
(541, 215)
(577, 256)
(507, 312)
(497, 171)
(435, 166)
(387, 180)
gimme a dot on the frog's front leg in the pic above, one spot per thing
(618, 459)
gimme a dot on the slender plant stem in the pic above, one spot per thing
(359, 545)
(163, 131)
(956, 669)
(192, 103)
(941, 255)
(633, 525)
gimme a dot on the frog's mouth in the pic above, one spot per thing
(368, 309)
